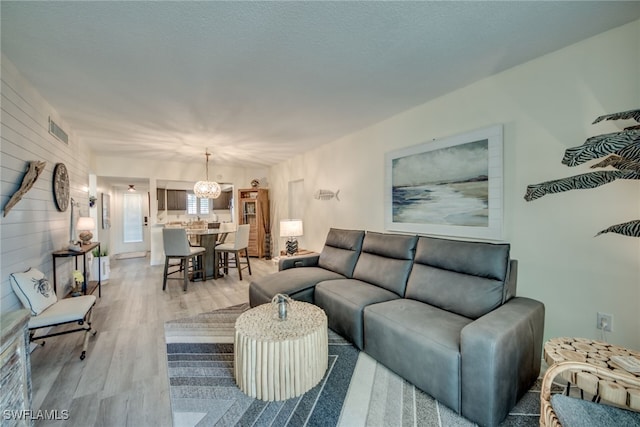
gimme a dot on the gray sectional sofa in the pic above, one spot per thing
(441, 313)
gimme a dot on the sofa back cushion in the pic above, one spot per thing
(467, 278)
(341, 251)
(386, 260)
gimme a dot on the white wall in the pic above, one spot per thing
(34, 227)
(546, 106)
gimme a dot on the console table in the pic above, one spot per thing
(87, 285)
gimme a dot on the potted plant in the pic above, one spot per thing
(76, 286)
(101, 260)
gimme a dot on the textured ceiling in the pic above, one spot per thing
(256, 82)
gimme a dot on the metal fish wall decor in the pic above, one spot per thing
(326, 195)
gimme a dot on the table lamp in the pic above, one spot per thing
(85, 225)
(291, 228)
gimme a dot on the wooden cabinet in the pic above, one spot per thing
(161, 197)
(254, 210)
(176, 200)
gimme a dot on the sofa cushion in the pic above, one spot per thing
(466, 278)
(341, 251)
(343, 301)
(386, 260)
(420, 343)
(291, 282)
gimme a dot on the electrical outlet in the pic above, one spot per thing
(605, 320)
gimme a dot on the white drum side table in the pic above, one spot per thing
(280, 359)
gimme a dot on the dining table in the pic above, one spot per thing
(208, 239)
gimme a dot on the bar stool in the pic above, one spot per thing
(176, 246)
(240, 244)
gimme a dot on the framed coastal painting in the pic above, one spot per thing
(448, 187)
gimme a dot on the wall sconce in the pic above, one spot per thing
(291, 228)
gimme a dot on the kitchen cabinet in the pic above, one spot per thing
(176, 200)
(223, 201)
(161, 197)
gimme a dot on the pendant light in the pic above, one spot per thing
(207, 189)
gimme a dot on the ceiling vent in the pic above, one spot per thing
(56, 131)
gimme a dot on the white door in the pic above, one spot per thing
(134, 226)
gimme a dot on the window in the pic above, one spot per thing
(132, 218)
(196, 206)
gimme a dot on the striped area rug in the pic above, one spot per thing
(356, 390)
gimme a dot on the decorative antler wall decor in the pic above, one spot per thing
(33, 172)
(623, 149)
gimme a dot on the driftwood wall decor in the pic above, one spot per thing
(623, 149)
(34, 170)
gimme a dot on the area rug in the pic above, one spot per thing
(355, 391)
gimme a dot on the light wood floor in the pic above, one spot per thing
(123, 380)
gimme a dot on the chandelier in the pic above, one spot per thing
(207, 189)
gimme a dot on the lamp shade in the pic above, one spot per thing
(85, 223)
(291, 228)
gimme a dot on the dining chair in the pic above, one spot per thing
(176, 246)
(235, 248)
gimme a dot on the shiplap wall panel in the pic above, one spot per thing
(14, 130)
(34, 227)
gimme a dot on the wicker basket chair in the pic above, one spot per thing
(617, 387)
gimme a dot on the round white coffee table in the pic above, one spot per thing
(280, 359)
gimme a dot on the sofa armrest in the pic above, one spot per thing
(501, 354)
(286, 263)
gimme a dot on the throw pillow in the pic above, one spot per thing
(34, 290)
